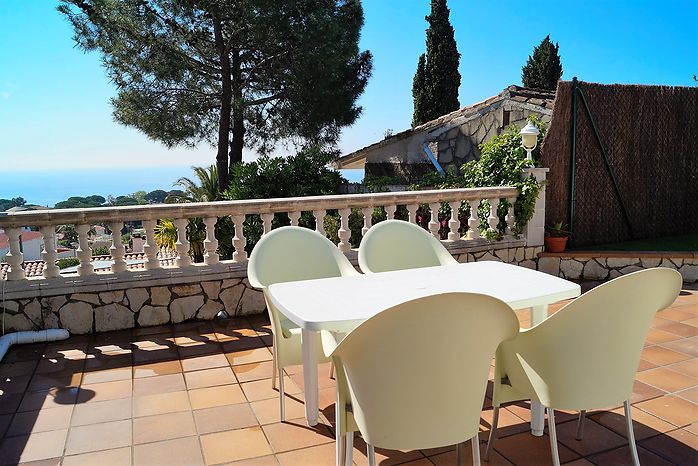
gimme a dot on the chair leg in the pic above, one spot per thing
(332, 370)
(349, 446)
(475, 441)
(493, 433)
(459, 454)
(282, 395)
(553, 437)
(273, 369)
(340, 448)
(580, 424)
(631, 433)
(371, 453)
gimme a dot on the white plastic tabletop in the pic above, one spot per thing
(343, 302)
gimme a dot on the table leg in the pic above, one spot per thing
(309, 342)
(538, 315)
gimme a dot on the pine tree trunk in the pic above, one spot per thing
(226, 109)
(238, 141)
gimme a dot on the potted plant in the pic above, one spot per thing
(556, 237)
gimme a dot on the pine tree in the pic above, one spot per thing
(436, 82)
(543, 69)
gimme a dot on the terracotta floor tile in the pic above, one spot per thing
(662, 356)
(14, 384)
(234, 445)
(25, 353)
(645, 365)
(508, 423)
(13, 369)
(46, 462)
(261, 389)
(210, 377)
(688, 367)
(526, 449)
(657, 335)
(216, 396)
(105, 391)
(109, 375)
(673, 409)
(681, 329)
(666, 379)
(321, 454)
(679, 446)
(227, 417)
(163, 427)
(5, 420)
(116, 457)
(260, 461)
(9, 402)
(40, 421)
(658, 322)
(295, 434)
(155, 354)
(643, 392)
(645, 425)
(693, 428)
(693, 321)
(182, 451)
(97, 437)
(622, 455)
(691, 394)
(158, 384)
(267, 411)
(108, 361)
(675, 313)
(254, 371)
(37, 446)
(204, 362)
(161, 403)
(60, 366)
(448, 458)
(248, 356)
(156, 368)
(597, 438)
(686, 346)
(383, 457)
(102, 411)
(191, 351)
(48, 399)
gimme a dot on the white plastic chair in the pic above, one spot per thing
(404, 395)
(398, 245)
(586, 354)
(291, 254)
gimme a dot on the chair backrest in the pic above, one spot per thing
(398, 245)
(295, 253)
(417, 372)
(585, 355)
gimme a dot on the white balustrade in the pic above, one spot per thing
(48, 254)
(266, 209)
(84, 252)
(150, 248)
(211, 243)
(117, 249)
(182, 244)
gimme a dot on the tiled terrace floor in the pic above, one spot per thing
(201, 394)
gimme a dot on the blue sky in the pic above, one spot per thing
(54, 98)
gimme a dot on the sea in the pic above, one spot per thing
(50, 186)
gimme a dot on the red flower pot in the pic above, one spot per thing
(556, 243)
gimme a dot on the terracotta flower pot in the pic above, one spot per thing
(556, 243)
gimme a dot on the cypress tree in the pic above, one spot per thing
(436, 82)
(543, 69)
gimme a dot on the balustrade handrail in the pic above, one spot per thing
(50, 217)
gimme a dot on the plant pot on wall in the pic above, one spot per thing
(555, 243)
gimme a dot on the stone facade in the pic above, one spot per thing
(81, 313)
(597, 267)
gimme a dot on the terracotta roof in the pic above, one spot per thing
(522, 95)
(36, 268)
(25, 237)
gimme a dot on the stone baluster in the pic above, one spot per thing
(239, 241)
(84, 252)
(493, 219)
(454, 223)
(150, 247)
(211, 243)
(320, 221)
(368, 214)
(294, 216)
(473, 220)
(182, 243)
(510, 216)
(412, 209)
(344, 231)
(117, 247)
(390, 211)
(266, 222)
(15, 256)
(434, 225)
(49, 252)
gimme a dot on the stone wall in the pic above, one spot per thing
(141, 302)
(596, 266)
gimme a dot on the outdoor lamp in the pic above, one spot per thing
(529, 139)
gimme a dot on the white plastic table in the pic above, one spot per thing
(340, 304)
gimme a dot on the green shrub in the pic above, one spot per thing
(101, 251)
(67, 262)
